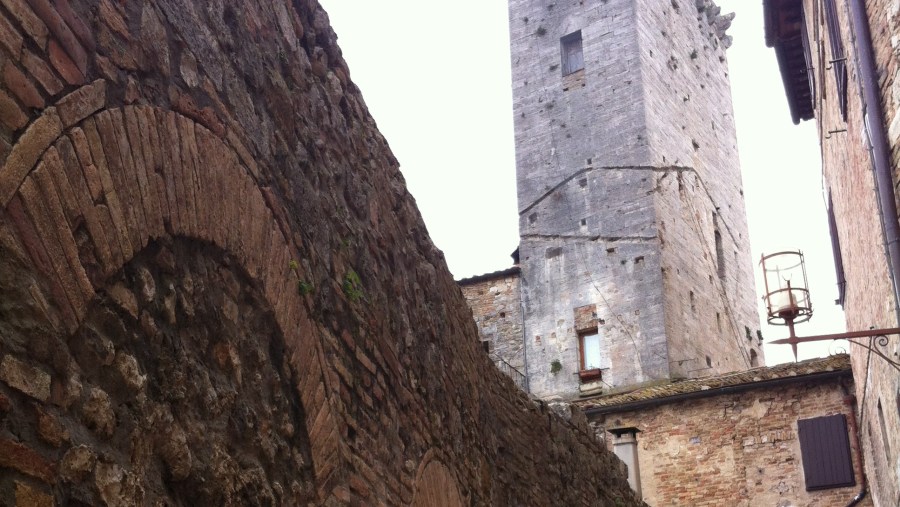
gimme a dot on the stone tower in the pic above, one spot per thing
(635, 256)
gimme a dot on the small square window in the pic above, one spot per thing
(572, 55)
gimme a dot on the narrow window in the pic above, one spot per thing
(885, 436)
(720, 251)
(590, 350)
(825, 449)
(836, 253)
(754, 359)
(590, 356)
(838, 60)
(572, 55)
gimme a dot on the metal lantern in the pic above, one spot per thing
(787, 293)
(787, 303)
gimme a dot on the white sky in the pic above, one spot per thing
(436, 78)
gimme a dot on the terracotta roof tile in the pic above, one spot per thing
(838, 362)
(503, 273)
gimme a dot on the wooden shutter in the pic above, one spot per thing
(836, 253)
(838, 62)
(807, 56)
(825, 447)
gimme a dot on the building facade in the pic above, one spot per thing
(839, 63)
(779, 436)
(634, 252)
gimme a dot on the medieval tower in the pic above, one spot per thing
(634, 252)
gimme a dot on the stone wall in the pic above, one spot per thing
(216, 289)
(848, 170)
(709, 287)
(736, 449)
(620, 169)
(496, 304)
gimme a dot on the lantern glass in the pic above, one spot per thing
(787, 293)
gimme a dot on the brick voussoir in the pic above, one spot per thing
(63, 233)
(32, 200)
(153, 152)
(27, 151)
(82, 103)
(188, 153)
(113, 204)
(170, 159)
(135, 144)
(82, 196)
(132, 180)
(124, 199)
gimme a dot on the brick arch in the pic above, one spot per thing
(96, 185)
(435, 485)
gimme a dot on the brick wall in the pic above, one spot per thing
(848, 172)
(215, 288)
(733, 449)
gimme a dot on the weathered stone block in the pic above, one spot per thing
(27, 496)
(26, 378)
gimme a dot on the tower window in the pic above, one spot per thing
(836, 252)
(720, 251)
(589, 345)
(572, 55)
(885, 436)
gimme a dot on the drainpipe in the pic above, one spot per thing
(850, 401)
(878, 146)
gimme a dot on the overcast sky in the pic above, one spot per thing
(436, 78)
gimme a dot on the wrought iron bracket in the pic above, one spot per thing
(878, 339)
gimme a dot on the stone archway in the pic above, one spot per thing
(87, 191)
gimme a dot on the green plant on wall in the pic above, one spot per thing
(352, 286)
(303, 287)
(555, 366)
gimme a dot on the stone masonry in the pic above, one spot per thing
(629, 193)
(215, 288)
(496, 303)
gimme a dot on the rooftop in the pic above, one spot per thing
(707, 386)
(503, 273)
